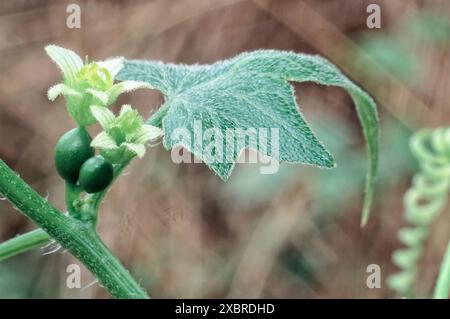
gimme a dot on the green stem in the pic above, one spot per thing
(72, 194)
(23, 243)
(76, 236)
(97, 198)
(443, 282)
(90, 211)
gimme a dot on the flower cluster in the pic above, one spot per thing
(124, 136)
(89, 89)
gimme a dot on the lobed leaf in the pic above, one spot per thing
(251, 90)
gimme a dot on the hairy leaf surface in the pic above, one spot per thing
(250, 91)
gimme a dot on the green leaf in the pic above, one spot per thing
(99, 95)
(68, 61)
(103, 115)
(251, 90)
(113, 65)
(125, 87)
(138, 149)
(147, 133)
(58, 89)
(104, 141)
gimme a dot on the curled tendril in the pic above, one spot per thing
(423, 202)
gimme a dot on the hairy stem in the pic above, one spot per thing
(443, 282)
(23, 243)
(72, 194)
(76, 236)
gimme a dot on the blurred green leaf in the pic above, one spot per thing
(391, 56)
(432, 26)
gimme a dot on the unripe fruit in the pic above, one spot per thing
(71, 151)
(96, 174)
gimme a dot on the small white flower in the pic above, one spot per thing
(124, 136)
(86, 84)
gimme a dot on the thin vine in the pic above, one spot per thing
(423, 202)
(442, 288)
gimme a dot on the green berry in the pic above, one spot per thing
(71, 151)
(96, 174)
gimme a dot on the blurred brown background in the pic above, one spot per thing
(179, 229)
